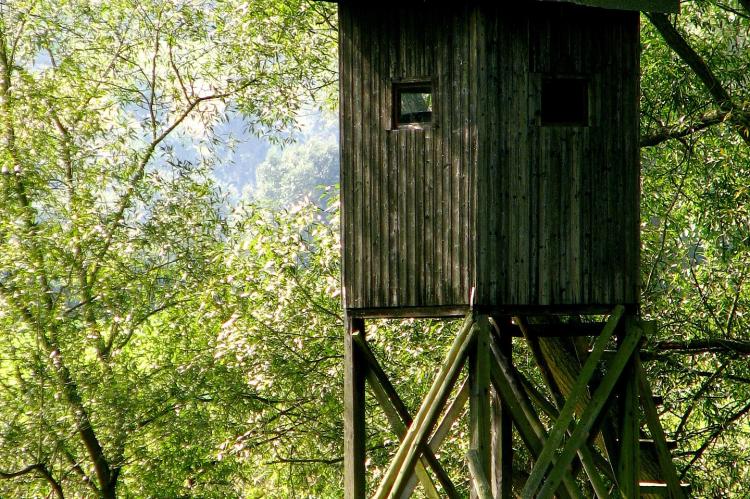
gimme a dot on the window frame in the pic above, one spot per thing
(412, 85)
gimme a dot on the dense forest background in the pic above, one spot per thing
(164, 334)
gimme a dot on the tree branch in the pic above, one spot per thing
(713, 345)
(714, 435)
(689, 56)
(42, 470)
(682, 130)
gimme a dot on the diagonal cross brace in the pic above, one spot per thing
(526, 421)
(408, 452)
(399, 418)
(557, 434)
(581, 432)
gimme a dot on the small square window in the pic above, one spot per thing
(413, 103)
(565, 101)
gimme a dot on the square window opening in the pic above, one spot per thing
(414, 103)
(565, 101)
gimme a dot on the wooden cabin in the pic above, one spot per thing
(489, 151)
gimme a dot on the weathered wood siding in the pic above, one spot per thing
(407, 194)
(559, 216)
(486, 197)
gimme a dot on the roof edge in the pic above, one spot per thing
(665, 6)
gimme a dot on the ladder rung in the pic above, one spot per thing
(659, 488)
(647, 442)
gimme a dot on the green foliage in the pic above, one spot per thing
(696, 251)
(299, 170)
(156, 341)
(114, 284)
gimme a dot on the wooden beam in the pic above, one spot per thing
(554, 330)
(567, 412)
(479, 400)
(478, 476)
(588, 454)
(354, 413)
(628, 463)
(452, 413)
(582, 430)
(396, 476)
(671, 6)
(399, 419)
(502, 428)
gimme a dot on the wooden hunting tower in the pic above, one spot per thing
(489, 164)
(491, 146)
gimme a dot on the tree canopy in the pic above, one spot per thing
(157, 340)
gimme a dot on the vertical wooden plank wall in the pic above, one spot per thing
(531, 215)
(558, 212)
(409, 191)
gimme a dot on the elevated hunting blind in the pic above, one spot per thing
(491, 146)
(490, 168)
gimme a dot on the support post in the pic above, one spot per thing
(628, 461)
(354, 412)
(479, 401)
(502, 429)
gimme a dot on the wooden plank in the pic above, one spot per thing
(567, 412)
(359, 282)
(581, 433)
(428, 255)
(469, 214)
(354, 413)
(403, 223)
(442, 429)
(419, 216)
(384, 89)
(437, 312)
(345, 110)
(440, 79)
(478, 475)
(479, 402)
(455, 155)
(393, 170)
(369, 208)
(396, 475)
(410, 221)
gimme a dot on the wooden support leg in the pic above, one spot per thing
(479, 401)
(502, 432)
(628, 462)
(354, 413)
